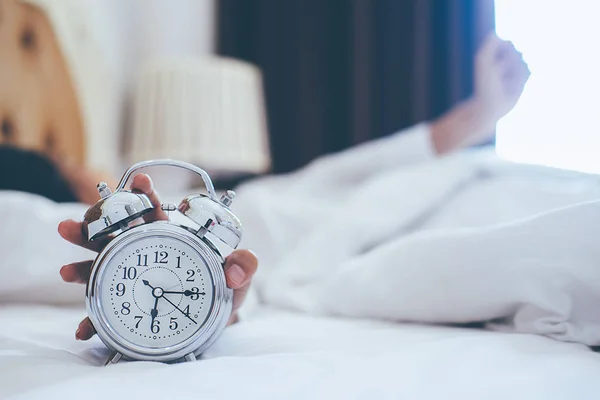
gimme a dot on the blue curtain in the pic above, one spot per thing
(340, 72)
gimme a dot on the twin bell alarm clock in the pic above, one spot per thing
(157, 291)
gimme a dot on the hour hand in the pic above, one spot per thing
(154, 312)
(147, 283)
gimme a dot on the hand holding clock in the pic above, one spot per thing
(239, 267)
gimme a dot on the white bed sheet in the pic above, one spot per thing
(276, 354)
(282, 355)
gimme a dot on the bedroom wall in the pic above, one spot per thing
(131, 32)
(155, 28)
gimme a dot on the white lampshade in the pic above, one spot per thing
(207, 111)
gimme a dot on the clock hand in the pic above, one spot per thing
(179, 309)
(147, 284)
(186, 293)
(154, 312)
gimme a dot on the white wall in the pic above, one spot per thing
(131, 32)
(145, 29)
(556, 120)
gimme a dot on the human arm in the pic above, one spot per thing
(500, 78)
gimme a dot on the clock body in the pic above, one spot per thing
(157, 292)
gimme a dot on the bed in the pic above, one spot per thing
(277, 352)
(284, 355)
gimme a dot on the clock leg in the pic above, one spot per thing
(114, 358)
(190, 357)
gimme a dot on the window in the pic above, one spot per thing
(557, 121)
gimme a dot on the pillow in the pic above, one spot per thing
(33, 252)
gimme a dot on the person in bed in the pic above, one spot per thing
(500, 76)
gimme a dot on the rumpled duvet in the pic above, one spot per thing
(383, 231)
(388, 231)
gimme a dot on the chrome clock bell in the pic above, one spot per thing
(157, 291)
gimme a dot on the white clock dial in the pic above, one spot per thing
(156, 292)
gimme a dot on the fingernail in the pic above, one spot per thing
(77, 332)
(62, 273)
(150, 179)
(236, 274)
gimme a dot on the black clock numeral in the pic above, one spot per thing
(120, 289)
(186, 311)
(178, 262)
(125, 310)
(142, 260)
(155, 328)
(196, 293)
(139, 319)
(191, 274)
(129, 273)
(173, 324)
(163, 257)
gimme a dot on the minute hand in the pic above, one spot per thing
(185, 293)
(179, 309)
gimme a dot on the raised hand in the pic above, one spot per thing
(500, 77)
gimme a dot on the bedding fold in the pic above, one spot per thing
(383, 231)
(520, 254)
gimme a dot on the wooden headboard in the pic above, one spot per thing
(39, 109)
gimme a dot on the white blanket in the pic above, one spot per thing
(286, 356)
(386, 231)
(381, 232)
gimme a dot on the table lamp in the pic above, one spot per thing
(207, 111)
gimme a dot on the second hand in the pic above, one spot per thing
(179, 309)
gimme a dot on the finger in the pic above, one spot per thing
(506, 50)
(519, 82)
(511, 60)
(233, 319)
(239, 295)
(514, 88)
(76, 233)
(78, 272)
(516, 76)
(143, 184)
(85, 330)
(239, 268)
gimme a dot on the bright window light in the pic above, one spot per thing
(557, 121)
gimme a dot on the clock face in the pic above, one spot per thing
(156, 292)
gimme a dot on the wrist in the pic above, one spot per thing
(468, 123)
(483, 111)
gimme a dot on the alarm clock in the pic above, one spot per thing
(157, 291)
